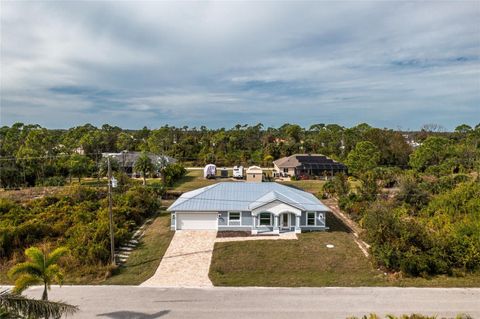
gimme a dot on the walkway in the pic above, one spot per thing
(186, 262)
(283, 236)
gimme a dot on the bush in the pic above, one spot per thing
(77, 219)
(53, 181)
(172, 173)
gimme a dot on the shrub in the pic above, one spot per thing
(53, 181)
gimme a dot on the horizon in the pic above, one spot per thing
(396, 65)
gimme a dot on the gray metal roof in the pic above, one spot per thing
(235, 196)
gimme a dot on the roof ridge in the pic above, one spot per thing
(288, 197)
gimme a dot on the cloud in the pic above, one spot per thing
(217, 64)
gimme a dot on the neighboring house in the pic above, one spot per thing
(255, 207)
(254, 174)
(127, 160)
(300, 165)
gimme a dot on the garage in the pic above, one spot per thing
(198, 220)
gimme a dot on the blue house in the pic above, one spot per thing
(256, 207)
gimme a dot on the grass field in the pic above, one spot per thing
(311, 186)
(193, 180)
(144, 261)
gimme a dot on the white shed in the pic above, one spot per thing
(254, 174)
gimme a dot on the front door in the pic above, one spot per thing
(285, 220)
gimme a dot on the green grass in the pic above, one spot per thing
(192, 180)
(144, 260)
(311, 186)
(306, 262)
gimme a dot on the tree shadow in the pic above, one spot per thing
(133, 314)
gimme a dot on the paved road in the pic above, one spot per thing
(122, 302)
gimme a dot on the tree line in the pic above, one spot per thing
(33, 155)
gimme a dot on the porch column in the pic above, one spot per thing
(276, 229)
(254, 225)
(298, 230)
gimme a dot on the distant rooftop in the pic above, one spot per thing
(309, 161)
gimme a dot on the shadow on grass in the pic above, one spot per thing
(142, 263)
(336, 225)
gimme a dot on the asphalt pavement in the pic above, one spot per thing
(133, 302)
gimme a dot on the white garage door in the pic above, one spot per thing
(197, 220)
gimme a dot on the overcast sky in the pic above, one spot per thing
(135, 64)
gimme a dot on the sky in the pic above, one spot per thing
(134, 64)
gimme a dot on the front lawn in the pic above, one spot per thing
(294, 263)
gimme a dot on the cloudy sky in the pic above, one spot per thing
(390, 64)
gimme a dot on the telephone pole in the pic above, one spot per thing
(110, 214)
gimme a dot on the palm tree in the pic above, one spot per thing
(40, 269)
(16, 306)
(144, 164)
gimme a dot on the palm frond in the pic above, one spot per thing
(37, 256)
(32, 308)
(26, 267)
(25, 281)
(55, 255)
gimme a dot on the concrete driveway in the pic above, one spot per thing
(187, 260)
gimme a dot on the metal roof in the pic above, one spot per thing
(235, 196)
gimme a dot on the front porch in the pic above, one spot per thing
(268, 223)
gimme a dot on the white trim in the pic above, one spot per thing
(314, 219)
(259, 219)
(240, 220)
(289, 215)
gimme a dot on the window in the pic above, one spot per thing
(285, 170)
(234, 217)
(311, 219)
(265, 219)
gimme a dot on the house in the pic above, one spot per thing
(256, 207)
(307, 165)
(127, 160)
(254, 174)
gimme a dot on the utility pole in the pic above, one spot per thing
(110, 214)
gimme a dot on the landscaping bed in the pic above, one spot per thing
(231, 233)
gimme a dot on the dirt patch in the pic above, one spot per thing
(232, 233)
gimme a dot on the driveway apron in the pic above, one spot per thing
(186, 262)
